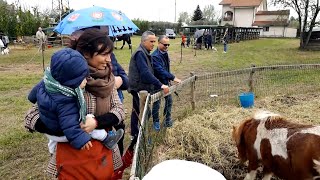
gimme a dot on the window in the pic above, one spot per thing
(228, 16)
(266, 29)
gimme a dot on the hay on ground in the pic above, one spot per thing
(206, 137)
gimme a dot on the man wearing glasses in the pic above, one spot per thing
(161, 67)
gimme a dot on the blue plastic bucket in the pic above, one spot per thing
(246, 99)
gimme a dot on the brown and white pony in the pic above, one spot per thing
(286, 149)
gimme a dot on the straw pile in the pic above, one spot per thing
(206, 137)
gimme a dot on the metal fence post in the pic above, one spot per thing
(193, 86)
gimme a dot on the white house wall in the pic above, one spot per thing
(226, 8)
(261, 7)
(291, 32)
(243, 17)
(279, 32)
(265, 5)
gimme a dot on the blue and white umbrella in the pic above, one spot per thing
(117, 22)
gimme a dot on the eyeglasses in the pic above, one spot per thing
(166, 45)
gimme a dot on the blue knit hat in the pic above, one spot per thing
(69, 67)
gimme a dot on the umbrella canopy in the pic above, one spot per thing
(117, 22)
(199, 33)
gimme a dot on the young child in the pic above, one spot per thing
(62, 105)
(183, 40)
(188, 41)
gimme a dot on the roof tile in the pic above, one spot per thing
(241, 3)
(270, 23)
(280, 12)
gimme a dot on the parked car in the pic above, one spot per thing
(170, 33)
(4, 39)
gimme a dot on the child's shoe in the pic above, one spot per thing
(113, 138)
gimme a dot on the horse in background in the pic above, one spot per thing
(125, 38)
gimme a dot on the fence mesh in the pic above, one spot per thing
(221, 88)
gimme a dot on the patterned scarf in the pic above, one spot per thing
(54, 86)
(100, 84)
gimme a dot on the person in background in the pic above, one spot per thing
(183, 40)
(141, 77)
(205, 39)
(214, 34)
(225, 41)
(213, 38)
(41, 39)
(161, 67)
(209, 41)
(188, 41)
(199, 42)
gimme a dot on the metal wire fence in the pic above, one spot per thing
(199, 90)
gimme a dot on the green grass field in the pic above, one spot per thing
(24, 155)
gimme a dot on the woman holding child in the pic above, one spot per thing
(103, 102)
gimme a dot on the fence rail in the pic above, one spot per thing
(263, 81)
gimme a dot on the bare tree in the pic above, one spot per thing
(185, 17)
(307, 11)
(209, 14)
(282, 20)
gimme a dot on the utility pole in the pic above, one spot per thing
(175, 10)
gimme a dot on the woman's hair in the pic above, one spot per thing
(88, 41)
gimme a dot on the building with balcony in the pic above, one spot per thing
(254, 13)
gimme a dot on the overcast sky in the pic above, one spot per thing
(151, 10)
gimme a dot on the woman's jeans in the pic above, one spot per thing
(166, 111)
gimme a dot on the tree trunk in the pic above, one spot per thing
(301, 40)
(304, 27)
(312, 24)
(301, 31)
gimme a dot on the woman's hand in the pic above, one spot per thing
(118, 81)
(90, 125)
(87, 146)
